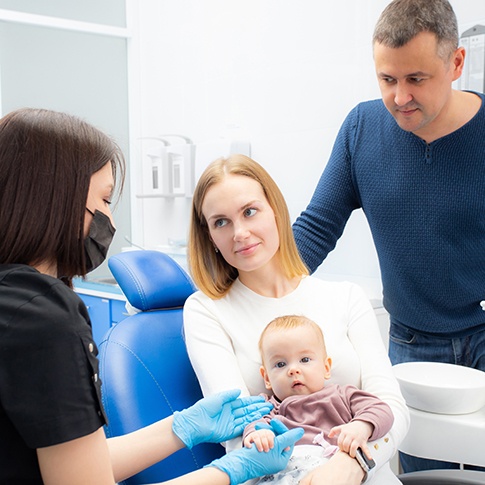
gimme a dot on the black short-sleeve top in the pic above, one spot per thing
(50, 391)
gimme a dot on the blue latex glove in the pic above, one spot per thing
(218, 418)
(247, 463)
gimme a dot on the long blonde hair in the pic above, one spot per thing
(211, 273)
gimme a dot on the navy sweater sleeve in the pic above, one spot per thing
(319, 227)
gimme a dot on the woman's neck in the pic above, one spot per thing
(46, 268)
(271, 284)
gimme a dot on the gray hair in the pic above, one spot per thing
(402, 20)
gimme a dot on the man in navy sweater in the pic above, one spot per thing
(414, 161)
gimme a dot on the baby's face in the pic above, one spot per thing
(294, 362)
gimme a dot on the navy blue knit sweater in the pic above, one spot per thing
(425, 204)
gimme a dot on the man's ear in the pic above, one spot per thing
(458, 62)
(264, 374)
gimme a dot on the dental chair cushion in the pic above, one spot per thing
(151, 279)
(144, 366)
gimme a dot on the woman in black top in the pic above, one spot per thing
(57, 179)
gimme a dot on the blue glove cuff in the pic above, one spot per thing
(233, 469)
(182, 429)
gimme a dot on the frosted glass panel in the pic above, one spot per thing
(109, 12)
(79, 73)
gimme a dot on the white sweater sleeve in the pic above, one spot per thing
(376, 373)
(210, 348)
(211, 351)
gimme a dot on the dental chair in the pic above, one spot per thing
(144, 366)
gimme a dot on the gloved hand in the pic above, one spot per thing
(247, 463)
(218, 418)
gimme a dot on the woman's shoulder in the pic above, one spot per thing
(339, 295)
(25, 281)
(315, 283)
(197, 298)
(236, 292)
(28, 295)
(196, 304)
(19, 276)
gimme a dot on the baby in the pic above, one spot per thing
(295, 368)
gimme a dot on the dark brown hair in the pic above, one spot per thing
(46, 163)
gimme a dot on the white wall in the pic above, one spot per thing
(287, 72)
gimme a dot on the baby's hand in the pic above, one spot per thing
(262, 438)
(352, 436)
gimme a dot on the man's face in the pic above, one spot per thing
(415, 84)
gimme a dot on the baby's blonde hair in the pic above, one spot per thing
(287, 322)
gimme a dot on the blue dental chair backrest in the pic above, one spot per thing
(144, 366)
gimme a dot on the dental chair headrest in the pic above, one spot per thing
(151, 280)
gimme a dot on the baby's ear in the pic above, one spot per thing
(264, 374)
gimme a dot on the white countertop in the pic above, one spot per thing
(99, 289)
(459, 438)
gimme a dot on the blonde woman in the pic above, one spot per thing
(244, 260)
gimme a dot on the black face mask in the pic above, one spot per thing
(97, 242)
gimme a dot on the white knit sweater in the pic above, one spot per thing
(222, 341)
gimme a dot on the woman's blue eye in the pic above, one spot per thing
(249, 212)
(220, 223)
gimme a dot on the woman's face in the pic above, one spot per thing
(241, 223)
(99, 195)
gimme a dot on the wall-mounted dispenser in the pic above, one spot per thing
(167, 166)
(154, 166)
(181, 160)
(473, 77)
